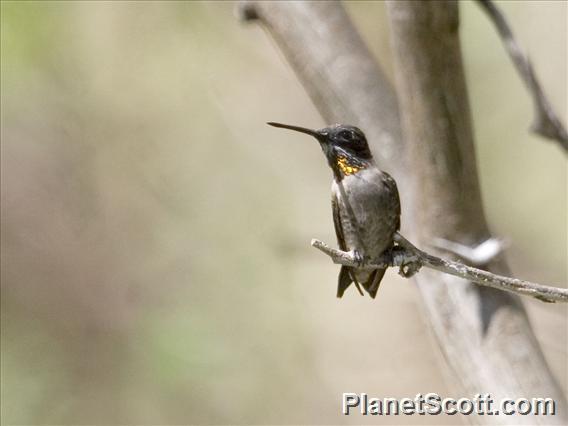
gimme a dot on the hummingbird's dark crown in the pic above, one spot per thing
(348, 140)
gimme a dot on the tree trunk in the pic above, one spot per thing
(485, 335)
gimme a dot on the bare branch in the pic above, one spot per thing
(410, 254)
(546, 123)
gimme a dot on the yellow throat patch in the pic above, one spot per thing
(347, 167)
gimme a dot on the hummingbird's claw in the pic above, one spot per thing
(395, 253)
(358, 258)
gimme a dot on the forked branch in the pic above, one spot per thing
(545, 123)
(410, 259)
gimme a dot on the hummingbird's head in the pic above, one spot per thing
(345, 147)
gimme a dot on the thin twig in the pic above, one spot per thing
(409, 258)
(546, 123)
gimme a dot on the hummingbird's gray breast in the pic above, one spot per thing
(372, 214)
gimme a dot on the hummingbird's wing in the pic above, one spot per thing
(337, 223)
(392, 207)
(346, 277)
(395, 200)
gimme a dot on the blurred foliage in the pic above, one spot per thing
(155, 260)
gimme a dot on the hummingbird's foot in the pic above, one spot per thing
(396, 255)
(358, 258)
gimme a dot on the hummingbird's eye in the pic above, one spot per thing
(346, 134)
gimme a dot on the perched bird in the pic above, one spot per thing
(364, 200)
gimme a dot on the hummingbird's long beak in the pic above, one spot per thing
(310, 132)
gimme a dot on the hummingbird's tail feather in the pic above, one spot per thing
(345, 280)
(372, 284)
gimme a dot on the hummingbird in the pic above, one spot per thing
(364, 200)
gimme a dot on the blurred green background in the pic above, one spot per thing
(156, 265)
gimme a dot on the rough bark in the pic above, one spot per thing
(484, 334)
